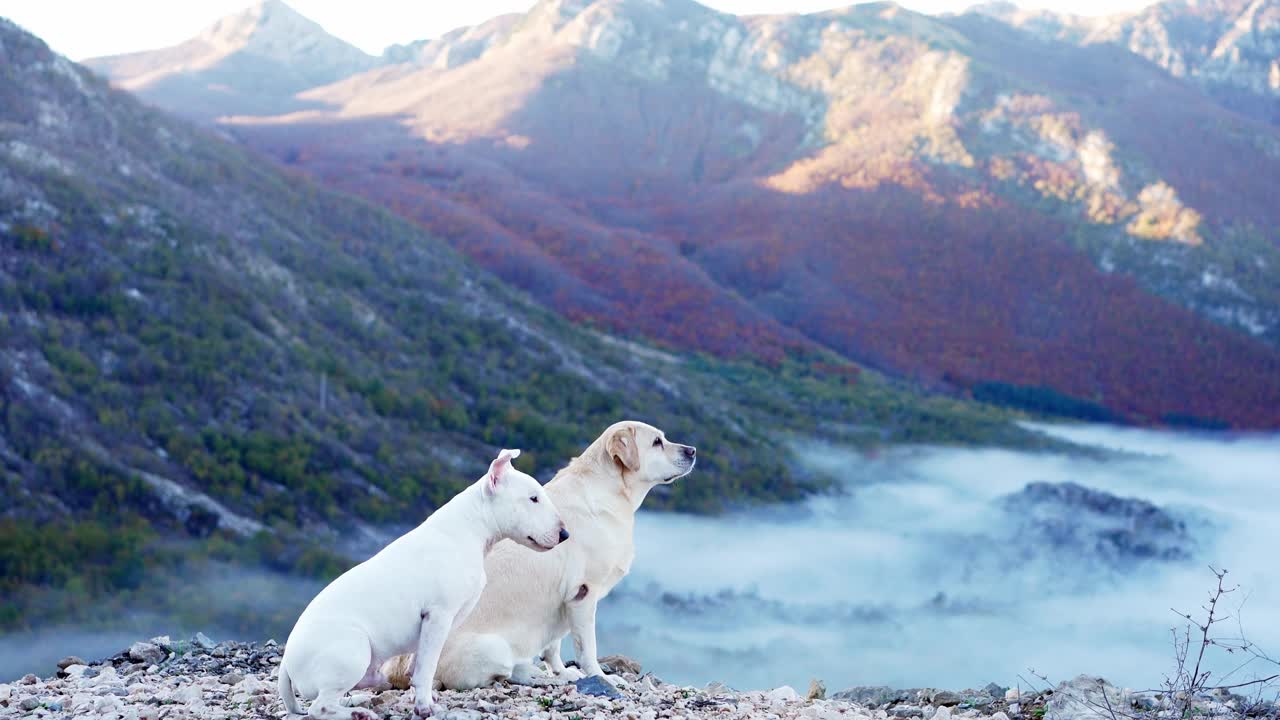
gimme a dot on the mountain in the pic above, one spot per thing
(1231, 48)
(252, 62)
(456, 47)
(950, 200)
(204, 359)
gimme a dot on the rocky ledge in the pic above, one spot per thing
(197, 678)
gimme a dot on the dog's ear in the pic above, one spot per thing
(623, 448)
(498, 468)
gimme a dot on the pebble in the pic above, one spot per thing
(620, 664)
(69, 660)
(231, 678)
(145, 652)
(29, 703)
(946, 698)
(596, 685)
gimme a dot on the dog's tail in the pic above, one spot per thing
(285, 686)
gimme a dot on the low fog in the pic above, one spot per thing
(916, 576)
(225, 603)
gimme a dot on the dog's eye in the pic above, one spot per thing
(533, 499)
(657, 442)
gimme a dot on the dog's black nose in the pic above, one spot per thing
(564, 534)
(690, 451)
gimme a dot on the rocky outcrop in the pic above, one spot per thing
(197, 679)
(1229, 47)
(1095, 524)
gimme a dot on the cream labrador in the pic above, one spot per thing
(533, 600)
(412, 594)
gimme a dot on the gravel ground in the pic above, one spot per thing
(166, 680)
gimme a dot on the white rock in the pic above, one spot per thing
(146, 652)
(943, 713)
(1012, 694)
(189, 695)
(786, 693)
(251, 684)
(818, 712)
(1083, 698)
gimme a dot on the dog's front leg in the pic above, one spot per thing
(556, 664)
(431, 637)
(582, 625)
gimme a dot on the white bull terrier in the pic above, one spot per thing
(409, 596)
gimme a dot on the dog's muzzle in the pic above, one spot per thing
(688, 458)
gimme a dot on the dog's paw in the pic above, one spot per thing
(616, 680)
(427, 709)
(358, 700)
(364, 714)
(571, 674)
(529, 674)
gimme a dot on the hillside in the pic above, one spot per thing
(949, 200)
(206, 360)
(252, 62)
(1231, 48)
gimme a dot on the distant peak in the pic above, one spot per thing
(997, 8)
(565, 9)
(569, 9)
(267, 9)
(262, 14)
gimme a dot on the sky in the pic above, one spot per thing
(88, 28)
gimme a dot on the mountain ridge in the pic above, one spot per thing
(1231, 48)
(252, 61)
(492, 136)
(868, 102)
